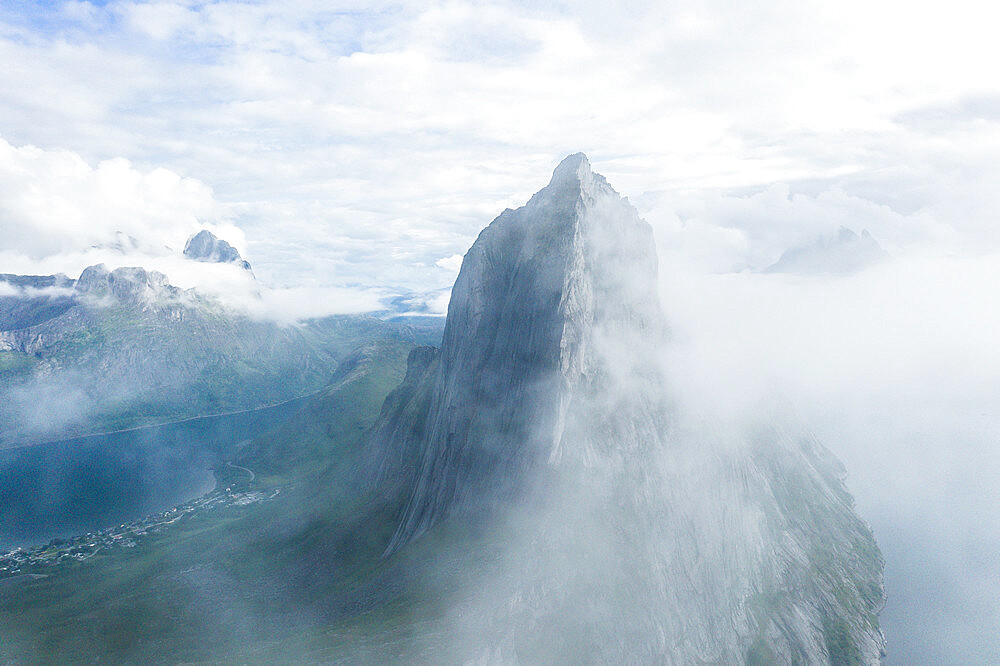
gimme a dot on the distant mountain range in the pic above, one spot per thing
(122, 348)
(843, 254)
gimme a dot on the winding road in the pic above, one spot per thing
(248, 471)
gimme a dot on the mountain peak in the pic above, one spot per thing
(547, 422)
(538, 291)
(573, 168)
(206, 246)
(573, 178)
(843, 254)
(846, 235)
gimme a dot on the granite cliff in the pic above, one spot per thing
(619, 532)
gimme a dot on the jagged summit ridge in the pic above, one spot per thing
(574, 175)
(573, 169)
(127, 284)
(206, 246)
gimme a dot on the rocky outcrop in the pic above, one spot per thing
(536, 292)
(619, 533)
(205, 246)
(129, 285)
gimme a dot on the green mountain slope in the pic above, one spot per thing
(220, 580)
(124, 356)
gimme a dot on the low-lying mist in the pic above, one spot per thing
(895, 370)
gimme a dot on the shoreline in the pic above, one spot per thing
(106, 433)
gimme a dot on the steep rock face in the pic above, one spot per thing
(536, 289)
(205, 246)
(619, 532)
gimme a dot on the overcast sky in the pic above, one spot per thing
(356, 151)
(367, 144)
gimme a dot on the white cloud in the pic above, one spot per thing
(732, 231)
(294, 304)
(160, 20)
(408, 127)
(53, 202)
(360, 143)
(895, 370)
(451, 264)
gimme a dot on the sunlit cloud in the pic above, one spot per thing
(53, 202)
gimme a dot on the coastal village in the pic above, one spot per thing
(33, 562)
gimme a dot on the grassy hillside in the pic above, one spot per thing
(220, 580)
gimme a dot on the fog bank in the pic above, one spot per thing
(895, 370)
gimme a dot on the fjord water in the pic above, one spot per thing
(74, 486)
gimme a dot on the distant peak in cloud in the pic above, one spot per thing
(206, 246)
(843, 254)
(122, 243)
(126, 244)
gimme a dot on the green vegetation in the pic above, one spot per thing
(222, 584)
(16, 363)
(173, 361)
(760, 654)
(228, 573)
(327, 429)
(837, 636)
